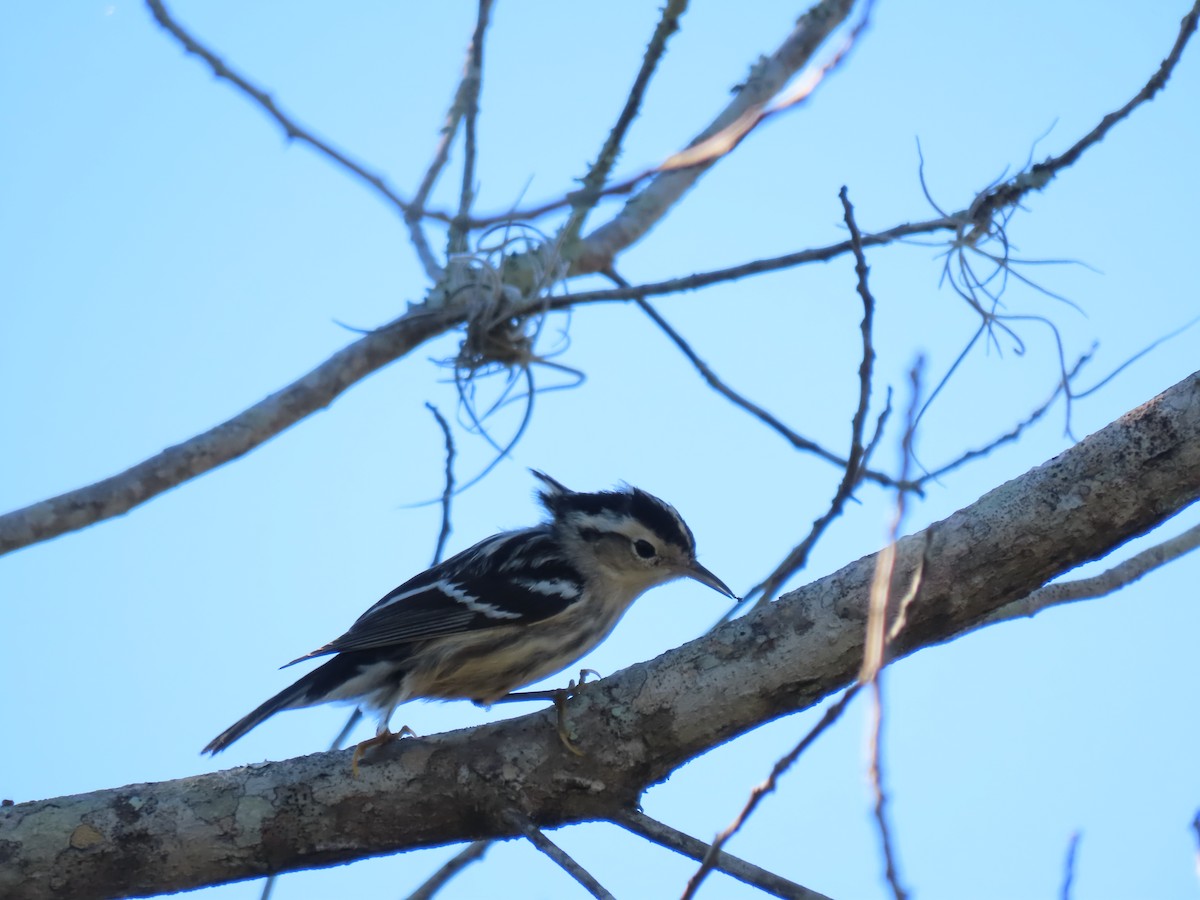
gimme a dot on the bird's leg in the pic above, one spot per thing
(382, 736)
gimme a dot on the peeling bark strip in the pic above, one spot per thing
(637, 727)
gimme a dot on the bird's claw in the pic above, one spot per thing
(383, 736)
(561, 697)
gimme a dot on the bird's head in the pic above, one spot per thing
(627, 535)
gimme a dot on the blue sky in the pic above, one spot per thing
(167, 259)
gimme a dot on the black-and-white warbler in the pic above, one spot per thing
(514, 609)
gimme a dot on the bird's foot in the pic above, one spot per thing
(561, 696)
(383, 736)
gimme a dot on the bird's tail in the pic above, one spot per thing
(313, 688)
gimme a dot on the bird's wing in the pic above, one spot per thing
(509, 579)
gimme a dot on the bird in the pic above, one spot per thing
(513, 609)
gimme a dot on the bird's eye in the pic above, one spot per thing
(644, 549)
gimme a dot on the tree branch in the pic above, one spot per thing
(122, 492)
(593, 181)
(263, 99)
(1010, 193)
(560, 857)
(856, 459)
(472, 86)
(768, 77)
(452, 867)
(747, 873)
(1107, 582)
(637, 726)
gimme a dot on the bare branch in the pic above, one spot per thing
(120, 493)
(831, 715)
(1069, 866)
(441, 155)
(472, 85)
(263, 99)
(767, 78)
(1036, 177)
(852, 476)
(715, 382)
(1115, 484)
(452, 867)
(559, 856)
(1015, 432)
(593, 181)
(1101, 585)
(756, 267)
(878, 639)
(448, 491)
(723, 142)
(875, 776)
(672, 178)
(748, 873)
(1196, 828)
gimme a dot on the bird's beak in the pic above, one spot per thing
(702, 575)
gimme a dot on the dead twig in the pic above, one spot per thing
(264, 100)
(1014, 433)
(448, 491)
(748, 873)
(558, 855)
(593, 181)
(1102, 585)
(717, 384)
(1036, 177)
(449, 869)
(831, 715)
(472, 87)
(1069, 866)
(852, 475)
(878, 638)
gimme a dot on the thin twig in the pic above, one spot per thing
(472, 86)
(879, 637)
(974, 221)
(593, 181)
(1107, 582)
(768, 77)
(748, 873)
(441, 155)
(225, 442)
(1153, 345)
(452, 867)
(756, 267)
(831, 715)
(264, 100)
(1012, 434)
(852, 474)
(674, 177)
(875, 775)
(723, 142)
(558, 855)
(1069, 866)
(1036, 177)
(1196, 828)
(715, 382)
(448, 491)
